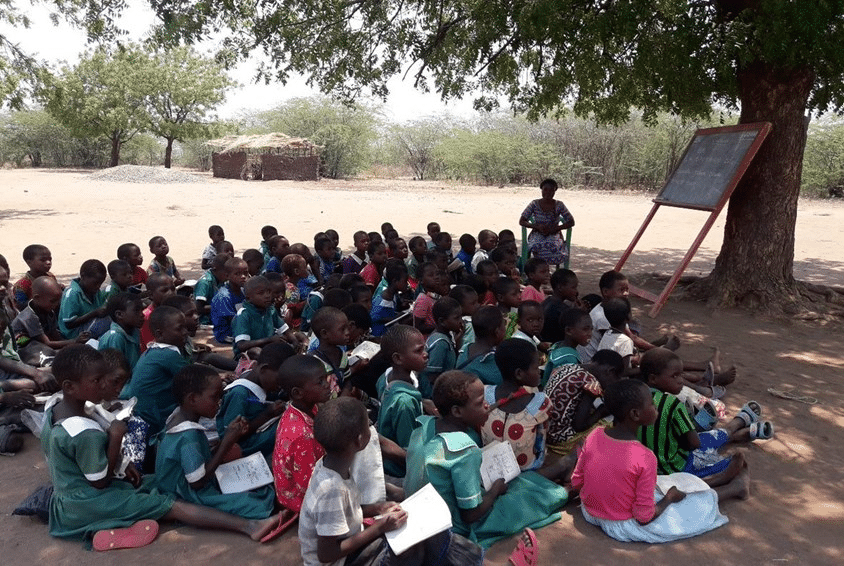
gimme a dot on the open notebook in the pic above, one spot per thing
(427, 515)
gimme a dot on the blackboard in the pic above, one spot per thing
(712, 165)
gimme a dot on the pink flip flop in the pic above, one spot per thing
(282, 526)
(140, 534)
(526, 554)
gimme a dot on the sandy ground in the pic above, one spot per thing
(796, 511)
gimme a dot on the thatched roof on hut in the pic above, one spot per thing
(264, 143)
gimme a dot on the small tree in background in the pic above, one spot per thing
(183, 90)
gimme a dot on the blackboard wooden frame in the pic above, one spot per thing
(738, 135)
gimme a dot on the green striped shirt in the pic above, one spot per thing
(663, 437)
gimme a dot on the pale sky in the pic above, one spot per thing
(64, 44)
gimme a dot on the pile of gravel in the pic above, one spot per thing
(142, 174)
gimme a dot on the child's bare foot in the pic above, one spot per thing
(661, 341)
(725, 377)
(257, 529)
(715, 359)
(736, 465)
(673, 342)
(742, 482)
(561, 470)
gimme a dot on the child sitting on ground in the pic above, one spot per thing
(198, 353)
(331, 327)
(331, 522)
(258, 323)
(529, 316)
(324, 249)
(564, 293)
(161, 262)
(126, 311)
(504, 259)
(185, 463)
(267, 232)
(39, 260)
(36, 328)
(538, 275)
(401, 400)
(429, 291)
(387, 303)
(441, 347)
(307, 283)
(576, 328)
(131, 254)
(617, 478)
(228, 300)
(355, 261)
(398, 249)
(468, 245)
(279, 248)
(120, 273)
(296, 451)
(254, 262)
(83, 306)
(517, 415)
(152, 376)
(613, 285)
(15, 375)
(371, 273)
(247, 397)
(479, 358)
(208, 285)
(575, 393)
(217, 235)
(468, 299)
(508, 296)
(160, 287)
(417, 247)
(487, 241)
(443, 453)
(442, 242)
(87, 502)
(617, 312)
(486, 274)
(673, 436)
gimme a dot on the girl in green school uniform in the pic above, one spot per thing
(87, 501)
(126, 311)
(442, 452)
(185, 465)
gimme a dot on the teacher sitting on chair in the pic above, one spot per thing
(547, 218)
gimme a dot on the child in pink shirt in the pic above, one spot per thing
(538, 274)
(616, 475)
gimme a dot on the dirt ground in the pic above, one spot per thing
(796, 511)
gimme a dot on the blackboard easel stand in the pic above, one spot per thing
(681, 192)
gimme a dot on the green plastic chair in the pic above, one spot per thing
(526, 249)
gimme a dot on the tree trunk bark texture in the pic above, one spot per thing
(115, 150)
(754, 266)
(168, 153)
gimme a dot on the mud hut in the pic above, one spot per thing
(268, 157)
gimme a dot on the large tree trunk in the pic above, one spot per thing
(754, 266)
(115, 149)
(168, 153)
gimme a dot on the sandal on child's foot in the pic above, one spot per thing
(140, 534)
(526, 552)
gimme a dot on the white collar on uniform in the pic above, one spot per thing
(77, 425)
(256, 389)
(154, 345)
